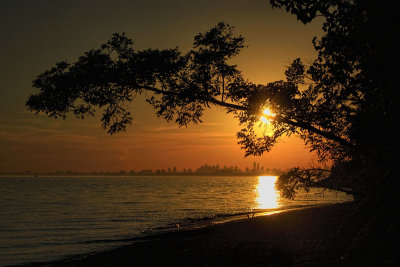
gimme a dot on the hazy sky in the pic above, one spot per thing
(35, 34)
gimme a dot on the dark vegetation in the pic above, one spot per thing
(344, 105)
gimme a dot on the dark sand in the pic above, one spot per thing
(292, 238)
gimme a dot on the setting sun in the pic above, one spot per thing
(268, 115)
(268, 112)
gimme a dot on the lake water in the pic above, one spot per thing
(49, 218)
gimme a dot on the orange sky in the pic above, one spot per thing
(40, 33)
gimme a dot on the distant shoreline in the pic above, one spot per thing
(38, 175)
(203, 170)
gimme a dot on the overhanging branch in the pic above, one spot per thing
(312, 129)
(302, 125)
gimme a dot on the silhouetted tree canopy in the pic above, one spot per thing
(343, 105)
(353, 83)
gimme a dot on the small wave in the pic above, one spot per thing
(197, 222)
(109, 240)
(194, 222)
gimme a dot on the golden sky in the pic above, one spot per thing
(37, 34)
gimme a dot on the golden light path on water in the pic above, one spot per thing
(267, 196)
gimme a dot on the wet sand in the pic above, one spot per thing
(292, 238)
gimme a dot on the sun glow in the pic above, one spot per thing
(267, 196)
(268, 112)
(267, 115)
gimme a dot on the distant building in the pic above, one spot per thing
(207, 169)
(146, 172)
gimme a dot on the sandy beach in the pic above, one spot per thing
(292, 238)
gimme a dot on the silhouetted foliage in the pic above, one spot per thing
(354, 77)
(343, 105)
(352, 91)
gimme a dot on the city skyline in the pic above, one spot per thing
(206, 169)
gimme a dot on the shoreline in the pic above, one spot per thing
(294, 237)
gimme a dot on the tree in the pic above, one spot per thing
(356, 70)
(352, 83)
(342, 105)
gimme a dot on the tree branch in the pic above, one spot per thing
(327, 135)
(209, 99)
(301, 125)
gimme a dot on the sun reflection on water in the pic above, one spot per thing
(267, 196)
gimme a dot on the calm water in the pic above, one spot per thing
(48, 218)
